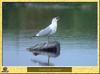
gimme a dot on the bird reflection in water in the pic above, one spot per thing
(41, 63)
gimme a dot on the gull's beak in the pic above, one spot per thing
(57, 18)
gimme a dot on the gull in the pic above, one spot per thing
(49, 30)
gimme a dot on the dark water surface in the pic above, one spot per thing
(76, 32)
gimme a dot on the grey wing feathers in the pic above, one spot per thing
(45, 32)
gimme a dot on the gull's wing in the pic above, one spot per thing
(45, 32)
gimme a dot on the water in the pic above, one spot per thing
(76, 32)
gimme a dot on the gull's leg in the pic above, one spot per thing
(48, 55)
(48, 60)
(48, 39)
(38, 37)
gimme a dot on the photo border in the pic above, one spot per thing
(74, 69)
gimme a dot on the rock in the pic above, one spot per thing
(51, 49)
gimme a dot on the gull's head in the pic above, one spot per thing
(55, 19)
